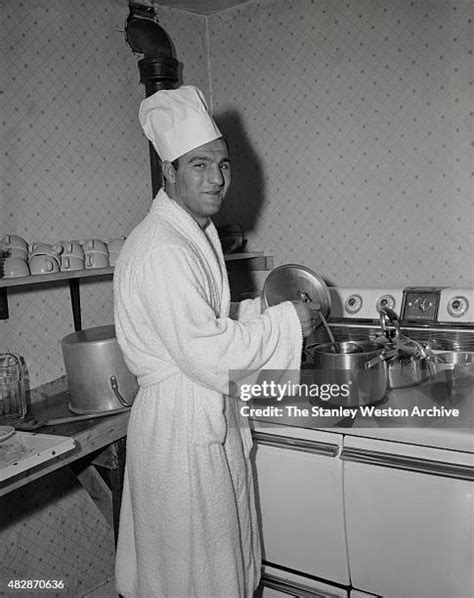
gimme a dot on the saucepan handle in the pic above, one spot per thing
(383, 356)
(389, 316)
(115, 388)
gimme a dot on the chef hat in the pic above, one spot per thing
(176, 121)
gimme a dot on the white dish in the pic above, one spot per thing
(6, 432)
(25, 450)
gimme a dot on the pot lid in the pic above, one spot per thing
(292, 282)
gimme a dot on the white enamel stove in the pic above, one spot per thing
(417, 305)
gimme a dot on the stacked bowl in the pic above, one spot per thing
(72, 257)
(96, 253)
(114, 246)
(14, 257)
(44, 258)
(18, 259)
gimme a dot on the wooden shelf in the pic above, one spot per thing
(255, 260)
(249, 261)
(35, 279)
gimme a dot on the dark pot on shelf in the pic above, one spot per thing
(231, 237)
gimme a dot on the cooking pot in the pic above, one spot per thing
(98, 378)
(346, 365)
(408, 370)
(408, 362)
(455, 365)
(231, 237)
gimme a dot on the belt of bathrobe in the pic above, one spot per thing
(154, 378)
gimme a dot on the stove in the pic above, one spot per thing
(441, 317)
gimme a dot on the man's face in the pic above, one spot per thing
(202, 180)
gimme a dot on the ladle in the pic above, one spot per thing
(307, 299)
(335, 346)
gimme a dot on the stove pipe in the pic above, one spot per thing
(158, 68)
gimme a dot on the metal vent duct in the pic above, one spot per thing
(158, 67)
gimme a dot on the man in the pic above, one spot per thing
(188, 522)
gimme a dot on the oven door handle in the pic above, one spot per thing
(294, 589)
(325, 449)
(407, 463)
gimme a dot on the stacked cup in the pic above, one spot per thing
(44, 258)
(114, 245)
(96, 253)
(72, 256)
(14, 257)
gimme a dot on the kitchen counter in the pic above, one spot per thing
(448, 425)
(97, 440)
(98, 443)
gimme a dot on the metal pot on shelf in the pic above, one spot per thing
(98, 377)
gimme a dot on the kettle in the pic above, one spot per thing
(12, 389)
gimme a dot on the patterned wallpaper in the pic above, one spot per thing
(350, 133)
(348, 122)
(74, 160)
(51, 529)
(350, 126)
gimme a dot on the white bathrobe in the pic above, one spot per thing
(188, 523)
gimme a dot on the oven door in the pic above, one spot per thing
(409, 519)
(299, 494)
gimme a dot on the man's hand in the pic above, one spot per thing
(307, 313)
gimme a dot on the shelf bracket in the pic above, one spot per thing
(75, 302)
(4, 315)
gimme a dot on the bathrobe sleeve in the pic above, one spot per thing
(175, 295)
(246, 309)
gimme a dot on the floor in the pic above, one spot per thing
(105, 591)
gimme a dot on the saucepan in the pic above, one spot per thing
(347, 367)
(408, 362)
(455, 364)
(343, 364)
(452, 359)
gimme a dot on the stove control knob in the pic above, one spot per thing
(353, 304)
(457, 306)
(386, 301)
